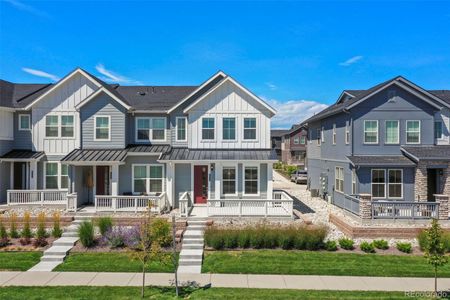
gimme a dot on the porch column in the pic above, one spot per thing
(11, 173)
(443, 206)
(170, 183)
(33, 175)
(218, 182)
(114, 180)
(269, 180)
(365, 206)
(421, 182)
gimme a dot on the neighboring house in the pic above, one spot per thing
(110, 146)
(293, 146)
(390, 141)
(276, 135)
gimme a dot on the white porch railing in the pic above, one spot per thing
(36, 197)
(281, 205)
(185, 204)
(72, 202)
(131, 203)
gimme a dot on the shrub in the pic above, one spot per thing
(404, 247)
(132, 237)
(422, 238)
(257, 238)
(160, 231)
(86, 234)
(367, 247)
(3, 235)
(41, 232)
(278, 165)
(347, 244)
(243, 239)
(13, 233)
(330, 245)
(381, 244)
(26, 230)
(57, 231)
(290, 169)
(115, 237)
(40, 242)
(104, 224)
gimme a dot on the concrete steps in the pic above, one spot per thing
(191, 255)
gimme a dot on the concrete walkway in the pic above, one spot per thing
(299, 282)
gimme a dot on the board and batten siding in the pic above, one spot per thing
(61, 101)
(6, 125)
(229, 101)
(103, 105)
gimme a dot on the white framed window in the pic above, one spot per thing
(347, 134)
(142, 129)
(250, 129)
(378, 183)
(208, 129)
(413, 132)
(339, 179)
(229, 129)
(438, 130)
(60, 126)
(102, 128)
(319, 136)
(334, 134)
(392, 132)
(370, 132)
(322, 135)
(64, 178)
(395, 183)
(354, 182)
(158, 130)
(251, 180)
(229, 175)
(51, 126)
(296, 140)
(67, 126)
(303, 140)
(24, 122)
(56, 175)
(150, 129)
(147, 179)
(181, 123)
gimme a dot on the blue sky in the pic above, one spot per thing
(298, 56)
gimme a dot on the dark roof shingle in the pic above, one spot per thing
(372, 160)
(432, 152)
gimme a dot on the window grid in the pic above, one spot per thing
(249, 128)
(102, 128)
(181, 129)
(392, 132)
(208, 129)
(229, 180)
(251, 178)
(413, 132)
(229, 129)
(370, 132)
(339, 179)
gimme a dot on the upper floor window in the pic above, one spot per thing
(347, 134)
(339, 179)
(51, 126)
(370, 132)
(208, 128)
(102, 128)
(249, 128)
(296, 140)
(158, 129)
(67, 127)
(151, 129)
(413, 132)
(251, 180)
(24, 122)
(181, 128)
(438, 130)
(229, 129)
(334, 134)
(303, 140)
(392, 132)
(319, 136)
(60, 126)
(229, 180)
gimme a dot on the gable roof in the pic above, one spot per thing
(278, 132)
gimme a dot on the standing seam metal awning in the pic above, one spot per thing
(22, 155)
(218, 154)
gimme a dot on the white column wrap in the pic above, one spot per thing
(114, 180)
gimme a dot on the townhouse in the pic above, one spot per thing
(290, 145)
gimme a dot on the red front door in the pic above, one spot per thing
(200, 184)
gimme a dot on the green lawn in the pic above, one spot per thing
(318, 263)
(19, 261)
(111, 293)
(107, 262)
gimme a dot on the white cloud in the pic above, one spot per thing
(113, 76)
(351, 61)
(271, 86)
(40, 73)
(294, 112)
(27, 8)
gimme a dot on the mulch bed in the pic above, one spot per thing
(15, 245)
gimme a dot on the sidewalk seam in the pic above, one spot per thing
(4, 284)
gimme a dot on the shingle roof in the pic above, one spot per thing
(278, 132)
(22, 155)
(381, 160)
(432, 152)
(219, 154)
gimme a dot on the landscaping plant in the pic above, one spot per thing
(41, 233)
(381, 244)
(26, 230)
(3, 234)
(330, 246)
(13, 233)
(404, 247)
(86, 234)
(367, 247)
(161, 231)
(423, 240)
(57, 231)
(435, 250)
(104, 225)
(347, 244)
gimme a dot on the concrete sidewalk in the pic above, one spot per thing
(349, 283)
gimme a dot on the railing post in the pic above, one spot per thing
(265, 208)
(8, 197)
(135, 204)
(365, 206)
(413, 209)
(95, 202)
(442, 208)
(114, 203)
(240, 208)
(42, 198)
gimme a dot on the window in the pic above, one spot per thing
(370, 132)
(322, 135)
(413, 132)
(51, 175)
(251, 180)
(249, 128)
(24, 122)
(229, 129)
(150, 129)
(229, 180)
(319, 134)
(303, 140)
(51, 126)
(67, 128)
(64, 177)
(347, 134)
(339, 179)
(208, 129)
(181, 129)
(438, 130)
(334, 134)
(102, 128)
(354, 182)
(158, 129)
(143, 129)
(392, 132)
(148, 179)
(395, 183)
(378, 183)
(296, 140)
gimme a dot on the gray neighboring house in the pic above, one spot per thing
(389, 143)
(83, 142)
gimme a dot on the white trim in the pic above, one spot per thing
(185, 129)
(420, 132)
(58, 174)
(334, 137)
(59, 125)
(214, 129)
(95, 128)
(354, 181)
(424, 91)
(322, 135)
(364, 133)
(258, 181)
(226, 79)
(347, 133)
(372, 183)
(401, 184)
(96, 93)
(20, 123)
(319, 136)
(342, 94)
(150, 129)
(255, 128)
(442, 130)
(386, 132)
(336, 179)
(147, 178)
(235, 129)
(236, 179)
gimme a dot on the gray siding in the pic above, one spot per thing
(5, 146)
(173, 138)
(125, 171)
(103, 105)
(22, 138)
(182, 181)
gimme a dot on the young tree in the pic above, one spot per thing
(434, 248)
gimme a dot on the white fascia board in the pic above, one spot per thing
(406, 81)
(96, 93)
